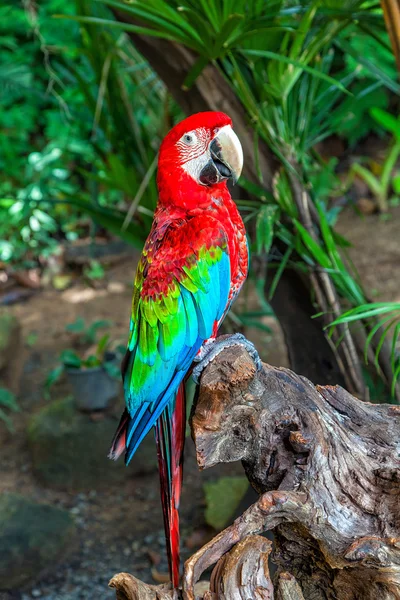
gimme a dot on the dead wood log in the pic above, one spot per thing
(327, 468)
(243, 572)
(128, 587)
(288, 588)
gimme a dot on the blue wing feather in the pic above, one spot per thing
(184, 323)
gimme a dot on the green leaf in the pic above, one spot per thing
(393, 350)
(366, 311)
(317, 252)
(296, 63)
(54, 376)
(102, 345)
(91, 362)
(70, 359)
(304, 28)
(371, 335)
(194, 72)
(112, 220)
(256, 324)
(113, 369)
(95, 270)
(372, 67)
(232, 23)
(122, 27)
(388, 166)
(326, 232)
(278, 274)
(372, 181)
(91, 333)
(381, 341)
(388, 121)
(341, 241)
(77, 326)
(31, 339)
(165, 18)
(266, 219)
(256, 190)
(396, 183)
(222, 498)
(8, 400)
(396, 375)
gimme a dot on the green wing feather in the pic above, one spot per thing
(171, 320)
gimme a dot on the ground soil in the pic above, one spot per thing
(121, 529)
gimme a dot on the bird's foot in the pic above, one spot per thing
(212, 348)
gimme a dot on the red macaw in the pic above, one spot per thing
(193, 265)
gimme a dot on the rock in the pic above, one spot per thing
(10, 352)
(33, 538)
(367, 206)
(359, 188)
(69, 449)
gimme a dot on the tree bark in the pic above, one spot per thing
(309, 352)
(326, 466)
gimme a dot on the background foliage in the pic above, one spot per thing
(84, 114)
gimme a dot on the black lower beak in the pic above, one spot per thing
(209, 174)
(215, 170)
(222, 168)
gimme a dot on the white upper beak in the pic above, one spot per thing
(227, 148)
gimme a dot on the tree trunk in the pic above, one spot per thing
(326, 466)
(309, 353)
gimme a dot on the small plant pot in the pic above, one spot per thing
(93, 388)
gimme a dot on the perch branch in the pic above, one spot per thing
(243, 572)
(326, 466)
(288, 588)
(128, 587)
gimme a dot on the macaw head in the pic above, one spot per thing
(199, 155)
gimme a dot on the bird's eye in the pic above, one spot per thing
(189, 139)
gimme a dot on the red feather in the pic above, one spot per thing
(170, 439)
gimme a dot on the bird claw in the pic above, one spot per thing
(211, 349)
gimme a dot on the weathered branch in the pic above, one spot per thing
(243, 572)
(326, 466)
(128, 587)
(288, 588)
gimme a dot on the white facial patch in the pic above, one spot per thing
(193, 151)
(194, 166)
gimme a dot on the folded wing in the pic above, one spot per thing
(181, 292)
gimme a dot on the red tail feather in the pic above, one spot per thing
(170, 437)
(118, 445)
